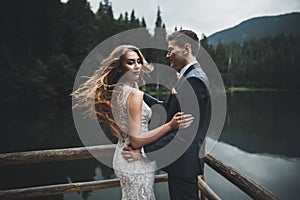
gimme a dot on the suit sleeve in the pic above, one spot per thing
(200, 108)
(193, 88)
(163, 141)
(150, 100)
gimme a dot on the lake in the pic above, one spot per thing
(260, 138)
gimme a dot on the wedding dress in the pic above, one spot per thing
(137, 177)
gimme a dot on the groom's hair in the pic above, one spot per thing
(186, 36)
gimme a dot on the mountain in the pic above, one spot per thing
(259, 27)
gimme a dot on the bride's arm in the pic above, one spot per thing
(138, 138)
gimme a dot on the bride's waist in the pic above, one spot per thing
(121, 164)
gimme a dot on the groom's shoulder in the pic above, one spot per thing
(198, 73)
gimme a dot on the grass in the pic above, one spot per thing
(247, 89)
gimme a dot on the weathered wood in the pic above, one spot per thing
(65, 188)
(161, 178)
(56, 155)
(244, 183)
(57, 189)
(241, 181)
(206, 191)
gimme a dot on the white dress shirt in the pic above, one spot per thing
(186, 68)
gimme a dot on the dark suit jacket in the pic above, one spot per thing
(178, 152)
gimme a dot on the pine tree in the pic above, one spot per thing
(105, 11)
(158, 22)
(134, 22)
(159, 56)
(143, 23)
(160, 34)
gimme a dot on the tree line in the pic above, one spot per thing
(268, 62)
(43, 43)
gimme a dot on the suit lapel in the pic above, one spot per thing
(182, 78)
(172, 103)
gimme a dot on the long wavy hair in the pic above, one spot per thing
(96, 93)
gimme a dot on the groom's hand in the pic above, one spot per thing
(131, 154)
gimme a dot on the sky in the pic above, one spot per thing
(202, 16)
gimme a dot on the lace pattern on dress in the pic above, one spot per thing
(136, 178)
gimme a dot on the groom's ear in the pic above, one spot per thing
(187, 48)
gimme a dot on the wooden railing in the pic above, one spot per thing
(243, 182)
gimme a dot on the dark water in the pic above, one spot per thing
(261, 139)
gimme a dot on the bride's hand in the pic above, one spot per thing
(131, 154)
(181, 120)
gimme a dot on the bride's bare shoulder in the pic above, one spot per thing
(135, 97)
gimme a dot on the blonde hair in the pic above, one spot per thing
(96, 93)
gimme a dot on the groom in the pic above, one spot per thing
(190, 95)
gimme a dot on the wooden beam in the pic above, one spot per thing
(206, 191)
(241, 181)
(65, 188)
(56, 155)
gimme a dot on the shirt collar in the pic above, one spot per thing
(186, 68)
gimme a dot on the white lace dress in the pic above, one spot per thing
(136, 178)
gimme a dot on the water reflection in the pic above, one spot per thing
(110, 193)
(279, 174)
(264, 122)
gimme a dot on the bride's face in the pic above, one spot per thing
(131, 65)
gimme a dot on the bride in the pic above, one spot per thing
(112, 92)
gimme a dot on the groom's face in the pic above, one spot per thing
(175, 55)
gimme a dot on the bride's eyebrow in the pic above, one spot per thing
(133, 59)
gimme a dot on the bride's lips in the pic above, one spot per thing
(137, 73)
